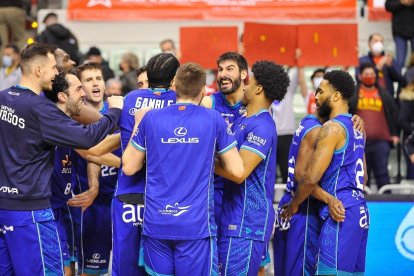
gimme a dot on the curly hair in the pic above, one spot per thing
(59, 84)
(273, 78)
(341, 81)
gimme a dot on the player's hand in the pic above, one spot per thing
(395, 140)
(288, 210)
(336, 209)
(140, 113)
(115, 102)
(84, 200)
(358, 123)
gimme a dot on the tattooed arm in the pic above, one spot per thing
(332, 136)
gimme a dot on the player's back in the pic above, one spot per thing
(155, 98)
(344, 177)
(180, 147)
(307, 124)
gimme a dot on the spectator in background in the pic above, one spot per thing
(12, 23)
(316, 79)
(379, 111)
(142, 78)
(94, 55)
(113, 87)
(129, 64)
(402, 27)
(10, 72)
(385, 67)
(168, 46)
(406, 114)
(57, 34)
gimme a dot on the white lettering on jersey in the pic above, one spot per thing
(259, 141)
(7, 115)
(133, 214)
(174, 210)
(5, 189)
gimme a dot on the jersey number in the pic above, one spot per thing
(359, 170)
(68, 188)
(107, 171)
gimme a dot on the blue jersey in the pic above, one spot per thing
(248, 207)
(307, 124)
(62, 177)
(344, 178)
(30, 127)
(180, 142)
(108, 176)
(229, 112)
(157, 98)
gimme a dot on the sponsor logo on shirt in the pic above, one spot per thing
(299, 130)
(96, 259)
(8, 190)
(133, 214)
(174, 210)
(180, 132)
(6, 228)
(259, 141)
(7, 115)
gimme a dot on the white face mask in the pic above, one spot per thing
(7, 61)
(316, 82)
(377, 48)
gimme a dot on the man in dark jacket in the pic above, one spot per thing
(378, 110)
(402, 27)
(385, 67)
(59, 35)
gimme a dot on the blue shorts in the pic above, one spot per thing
(96, 237)
(295, 243)
(30, 249)
(265, 257)
(343, 245)
(240, 256)
(67, 229)
(127, 228)
(180, 257)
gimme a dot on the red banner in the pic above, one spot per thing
(211, 9)
(376, 10)
(270, 42)
(204, 45)
(328, 45)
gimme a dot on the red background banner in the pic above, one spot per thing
(377, 13)
(204, 45)
(210, 9)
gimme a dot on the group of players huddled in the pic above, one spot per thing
(174, 182)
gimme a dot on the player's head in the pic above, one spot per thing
(64, 63)
(91, 76)
(67, 93)
(39, 64)
(268, 81)
(190, 81)
(337, 87)
(161, 70)
(142, 77)
(232, 71)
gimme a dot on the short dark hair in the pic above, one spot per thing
(35, 50)
(161, 70)
(168, 40)
(273, 78)
(371, 36)
(239, 59)
(366, 66)
(49, 15)
(318, 70)
(141, 70)
(15, 48)
(59, 84)
(190, 80)
(342, 82)
(87, 66)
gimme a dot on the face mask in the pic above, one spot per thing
(377, 48)
(316, 82)
(7, 61)
(368, 81)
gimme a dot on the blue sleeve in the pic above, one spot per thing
(138, 140)
(225, 139)
(259, 139)
(58, 129)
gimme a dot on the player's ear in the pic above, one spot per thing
(259, 89)
(173, 84)
(62, 97)
(243, 75)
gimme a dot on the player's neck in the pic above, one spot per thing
(187, 101)
(63, 108)
(32, 85)
(255, 107)
(235, 97)
(338, 110)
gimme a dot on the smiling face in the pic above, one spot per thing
(229, 77)
(94, 85)
(75, 94)
(47, 71)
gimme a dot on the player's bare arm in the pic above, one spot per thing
(332, 136)
(250, 161)
(306, 150)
